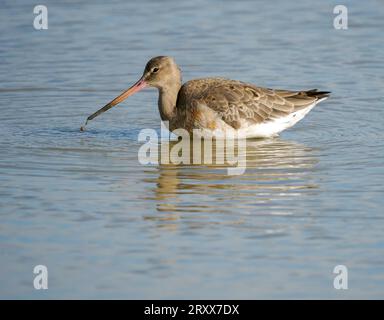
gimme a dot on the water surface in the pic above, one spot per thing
(109, 227)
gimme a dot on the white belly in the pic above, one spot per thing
(250, 130)
(273, 127)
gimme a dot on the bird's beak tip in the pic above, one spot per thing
(140, 84)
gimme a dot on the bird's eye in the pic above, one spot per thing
(154, 70)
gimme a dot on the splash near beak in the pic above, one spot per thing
(141, 84)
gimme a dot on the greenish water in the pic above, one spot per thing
(108, 227)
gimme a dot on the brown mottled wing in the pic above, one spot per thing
(236, 101)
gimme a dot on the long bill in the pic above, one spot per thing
(135, 88)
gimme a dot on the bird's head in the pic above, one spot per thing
(160, 72)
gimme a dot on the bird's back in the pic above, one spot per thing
(241, 105)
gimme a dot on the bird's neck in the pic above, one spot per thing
(168, 100)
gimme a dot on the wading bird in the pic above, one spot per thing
(219, 104)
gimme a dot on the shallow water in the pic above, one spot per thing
(109, 227)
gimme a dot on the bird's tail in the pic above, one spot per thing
(317, 94)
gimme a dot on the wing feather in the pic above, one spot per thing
(235, 101)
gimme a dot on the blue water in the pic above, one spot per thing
(108, 227)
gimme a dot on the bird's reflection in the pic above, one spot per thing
(277, 171)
